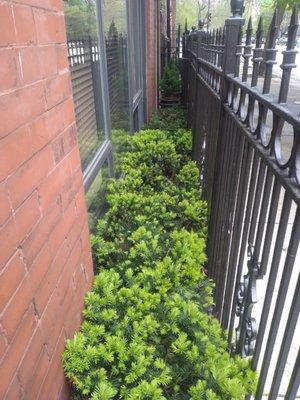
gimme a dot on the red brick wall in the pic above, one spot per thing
(151, 56)
(45, 258)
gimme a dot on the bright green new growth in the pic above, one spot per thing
(147, 333)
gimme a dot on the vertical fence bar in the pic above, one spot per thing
(237, 228)
(231, 40)
(223, 232)
(232, 176)
(285, 212)
(286, 343)
(244, 191)
(294, 383)
(284, 284)
(214, 226)
(289, 58)
(263, 215)
(246, 303)
(270, 229)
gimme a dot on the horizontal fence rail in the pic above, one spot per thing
(246, 141)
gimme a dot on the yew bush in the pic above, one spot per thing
(147, 333)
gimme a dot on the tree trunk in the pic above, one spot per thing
(280, 15)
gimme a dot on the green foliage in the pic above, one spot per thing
(146, 332)
(289, 4)
(80, 19)
(80, 16)
(95, 197)
(168, 119)
(188, 10)
(170, 84)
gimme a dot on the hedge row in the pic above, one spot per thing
(146, 332)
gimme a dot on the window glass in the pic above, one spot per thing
(84, 56)
(115, 27)
(135, 45)
(95, 197)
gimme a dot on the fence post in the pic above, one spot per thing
(185, 32)
(201, 35)
(197, 38)
(184, 65)
(178, 42)
(233, 29)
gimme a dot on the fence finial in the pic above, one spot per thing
(273, 31)
(249, 31)
(259, 33)
(289, 58)
(247, 52)
(257, 59)
(185, 26)
(293, 28)
(270, 56)
(237, 8)
(201, 24)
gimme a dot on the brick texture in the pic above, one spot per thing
(45, 257)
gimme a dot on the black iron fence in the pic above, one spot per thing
(246, 139)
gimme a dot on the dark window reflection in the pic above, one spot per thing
(84, 58)
(115, 24)
(95, 197)
(135, 44)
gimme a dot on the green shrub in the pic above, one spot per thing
(168, 119)
(159, 192)
(170, 84)
(146, 333)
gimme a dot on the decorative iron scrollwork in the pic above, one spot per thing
(246, 331)
(240, 299)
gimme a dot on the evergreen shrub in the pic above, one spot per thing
(168, 119)
(170, 84)
(146, 333)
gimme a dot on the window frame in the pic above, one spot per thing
(104, 152)
(137, 101)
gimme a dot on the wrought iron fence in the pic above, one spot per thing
(246, 139)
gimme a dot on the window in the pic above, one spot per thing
(95, 197)
(115, 30)
(84, 62)
(105, 41)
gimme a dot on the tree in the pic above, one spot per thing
(187, 10)
(80, 18)
(220, 11)
(194, 10)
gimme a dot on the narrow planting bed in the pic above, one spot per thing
(147, 333)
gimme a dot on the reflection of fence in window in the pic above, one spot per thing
(85, 76)
(95, 197)
(84, 59)
(116, 52)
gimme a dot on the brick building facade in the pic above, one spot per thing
(45, 256)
